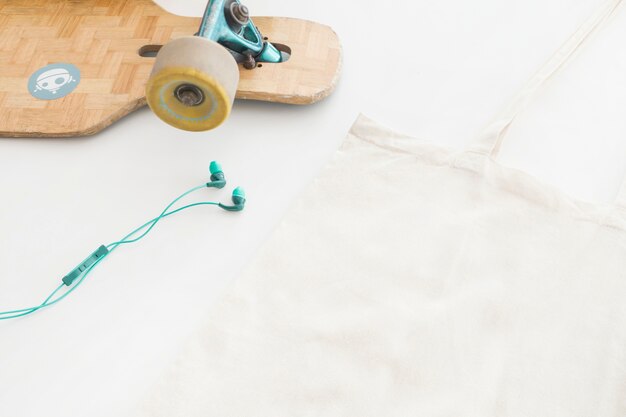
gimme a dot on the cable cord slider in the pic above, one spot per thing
(92, 259)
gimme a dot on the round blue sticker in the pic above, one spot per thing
(54, 81)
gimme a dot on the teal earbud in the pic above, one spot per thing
(218, 180)
(217, 176)
(239, 200)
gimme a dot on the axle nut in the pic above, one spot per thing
(240, 13)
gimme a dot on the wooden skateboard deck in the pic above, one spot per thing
(103, 40)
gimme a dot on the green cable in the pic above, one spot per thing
(154, 221)
(46, 303)
(6, 315)
(29, 310)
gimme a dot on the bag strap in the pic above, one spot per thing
(489, 141)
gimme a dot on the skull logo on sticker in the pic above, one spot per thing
(54, 81)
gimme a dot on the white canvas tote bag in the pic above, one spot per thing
(414, 280)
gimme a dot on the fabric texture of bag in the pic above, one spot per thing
(415, 280)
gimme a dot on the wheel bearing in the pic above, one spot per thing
(190, 95)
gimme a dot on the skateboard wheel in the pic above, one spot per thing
(193, 84)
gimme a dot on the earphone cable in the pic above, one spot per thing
(6, 315)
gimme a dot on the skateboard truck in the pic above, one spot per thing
(228, 23)
(194, 79)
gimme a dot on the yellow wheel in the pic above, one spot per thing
(193, 84)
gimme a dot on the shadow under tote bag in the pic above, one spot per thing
(414, 280)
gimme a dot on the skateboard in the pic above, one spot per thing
(73, 67)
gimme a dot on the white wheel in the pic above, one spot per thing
(193, 84)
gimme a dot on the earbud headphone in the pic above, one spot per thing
(76, 276)
(239, 200)
(217, 176)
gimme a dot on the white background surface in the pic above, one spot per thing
(437, 70)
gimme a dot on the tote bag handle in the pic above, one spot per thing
(490, 140)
